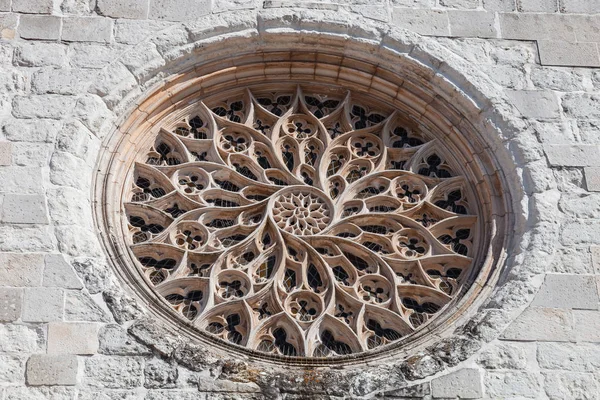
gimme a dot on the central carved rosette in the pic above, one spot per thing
(301, 223)
(301, 210)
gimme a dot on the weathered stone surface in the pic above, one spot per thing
(72, 338)
(79, 306)
(96, 56)
(33, 6)
(12, 369)
(568, 291)
(123, 9)
(41, 393)
(58, 273)
(504, 356)
(113, 372)
(536, 27)
(43, 305)
(185, 10)
(472, 24)
(45, 369)
(154, 335)
(569, 54)
(579, 6)
(41, 55)
(87, 29)
(548, 6)
(502, 385)
(21, 269)
(51, 106)
(499, 5)
(544, 324)
(588, 325)
(572, 156)
(21, 339)
(464, 383)
(159, 374)
(580, 233)
(39, 27)
(584, 106)
(94, 273)
(115, 340)
(535, 103)
(425, 22)
(570, 385)
(123, 307)
(24, 209)
(10, 303)
(569, 357)
(39, 130)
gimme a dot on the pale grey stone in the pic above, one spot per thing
(568, 291)
(39, 27)
(87, 29)
(499, 5)
(589, 131)
(41, 393)
(92, 112)
(5, 5)
(572, 260)
(24, 209)
(472, 24)
(562, 79)
(21, 339)
(527, 26)
(584, 205)
(123, 8)
(502, 385)
(12, 369)
(464, 383)
(133, 32)
(11, 300)
(153, 334)
(583, 155)
(87, 55)
(180, 10)
(420, 391)
(79, 306)
(76, 139)
(27, 154)
(51, 106)
(68, 170)
(570, 385)
(8, 24)
(595, 250)
(72, 338)
(69, 206)
(585, 27)
(103, 394)
(21, 269)
(548, 6)
(33, 6)
(22, 180)
(508, 76)
(424, 22)
(45, 369)
(143, 61)
(58, 273)
(177, 395)
(543, 324)
(43, 304)
(123, 307)
(513, 54)
(77, 241)
(504, 356)
(460, 4)
(580, 6)
(39, 130)
(61, 81)
(420, 366)
(6, 153)
(569, 54)
(115, 340)
(113, 372)
(535, 103)
(581, 233)
(585, 106)
(580, 357)
(159, 374)
(22, 238)
(588, 325)
(94, 273)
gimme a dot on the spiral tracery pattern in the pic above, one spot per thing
(301, 223)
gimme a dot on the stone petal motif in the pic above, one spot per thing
(301, 224)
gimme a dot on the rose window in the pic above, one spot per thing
(301, 222)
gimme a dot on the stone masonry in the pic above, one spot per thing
(72, 69)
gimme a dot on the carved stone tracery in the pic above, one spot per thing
(301, 223)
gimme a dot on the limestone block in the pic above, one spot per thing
(582, 155)
(579, 6)
(61, 81)
(134, 31)
(424, 22)
(588, 325)
(585, 27)
(79, 306)
(160, 374)
(94, 273)
(72, 338)
(58, 273)
(43, 305)
(21, 339)
(580, 357)
(8, 24)
(38, 130)
(464, 383)
(504, 356)
(39, 27)
(570, 385)
(544, 324)
(568, 291)
(51, 106)
(43, 369)
(592, 178)
(24, 209)
(178, 10)
(87, 55)
(33, 6)
(41, 55)
(472, 24)
(21, 269)
(40, 393)
(113, 372)
(177, 395)
(561, 79)
(5, 5)
(10, 303)
(460, 4)
(581, 233)
(499, 5)
(31, 154)
(123, 8)
(596, 258)
(523, 26)
(569, 54)
(582, 105)
(546, 6)
(12, 369)
(535, 103)
(114, 340)
(22, 238)
(502, 385)
(6, 153)
(87, 29)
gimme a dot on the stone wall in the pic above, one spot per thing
(72, 70)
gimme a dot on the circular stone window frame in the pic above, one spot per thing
(372, 49)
